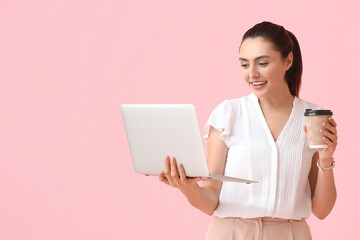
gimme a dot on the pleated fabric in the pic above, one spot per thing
(281, 167)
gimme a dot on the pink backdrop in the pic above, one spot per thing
(67, 65)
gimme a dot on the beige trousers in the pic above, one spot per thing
(258, 229)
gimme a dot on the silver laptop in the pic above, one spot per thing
(158, 130)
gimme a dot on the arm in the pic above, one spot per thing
(322, 182)
(206, 197)
(323, 189)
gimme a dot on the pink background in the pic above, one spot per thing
(67, 65)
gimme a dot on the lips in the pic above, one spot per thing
(258, 84)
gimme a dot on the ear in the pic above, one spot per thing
(289, 60)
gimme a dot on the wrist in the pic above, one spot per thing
(326, 165)
(326, 162)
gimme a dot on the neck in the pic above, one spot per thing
(281, 100)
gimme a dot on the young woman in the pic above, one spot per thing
(262, 137)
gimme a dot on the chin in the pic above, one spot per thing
(259, 94)
(262, 92)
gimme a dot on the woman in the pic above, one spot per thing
(261, 137)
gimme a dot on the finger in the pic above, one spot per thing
(327, 140)
(329, 135)
(330, 128)
(332, 121)
(195, 180)
(162, 178)
(167, 171)
(182, 172)
(332, 145)
(174, 170)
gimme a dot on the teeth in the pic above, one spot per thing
(258, 83)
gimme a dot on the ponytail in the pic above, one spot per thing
(293, 75)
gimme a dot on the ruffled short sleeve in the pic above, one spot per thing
(221, 119)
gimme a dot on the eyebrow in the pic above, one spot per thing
(262, 56)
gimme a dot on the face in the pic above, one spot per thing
(263, 68)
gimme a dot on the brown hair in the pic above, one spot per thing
(284, 42)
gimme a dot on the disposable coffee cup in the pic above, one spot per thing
(314, 120)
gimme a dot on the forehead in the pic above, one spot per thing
(254, 47)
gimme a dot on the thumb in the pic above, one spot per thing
(195, 180)
(305, 129)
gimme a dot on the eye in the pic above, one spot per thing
(244, 65)
(263, 64)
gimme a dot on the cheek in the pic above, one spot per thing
(272, 73)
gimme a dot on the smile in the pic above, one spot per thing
(258, 84)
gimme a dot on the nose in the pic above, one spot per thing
(254, 73)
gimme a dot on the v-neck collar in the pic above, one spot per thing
(263, 120)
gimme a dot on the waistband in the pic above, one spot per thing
(270, 219)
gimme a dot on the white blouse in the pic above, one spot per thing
(281, 167)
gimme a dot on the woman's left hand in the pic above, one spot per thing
(330, 138)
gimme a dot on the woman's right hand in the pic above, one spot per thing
(206, 197)
(175, 176)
